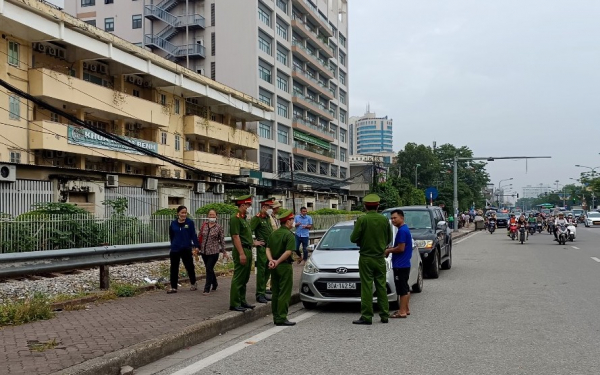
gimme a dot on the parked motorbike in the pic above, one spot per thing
(513, 231)
(572, 232)
(522, 233)
(492, 226)
(563, 234)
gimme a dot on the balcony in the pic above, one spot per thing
(304, 77)
(316, 130)
(315, 16)
(314, 152)
(48, 135)
(308, 103)
(304, 30)
(173, 51)
(49, 84)
(307, 55)
(216, 163)
(196, 125)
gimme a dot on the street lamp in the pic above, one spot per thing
(499, 183)
(416, 169)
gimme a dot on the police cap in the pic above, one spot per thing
(244, 199)
(371, 200)
(267, 202)
(285, 216)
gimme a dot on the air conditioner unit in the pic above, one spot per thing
(51, 51)
(93, 67)
(147, 84)
(200, 71)
(131, 79)
(103, 68)
(86, 66)
(200, 41)
(39, 47)
(344, 198)
(303, 187)
(151, 184)
(62, 54)
(112, 180)
(139, 81)
(70, 160)
(166, 173)
(216, 177)
(57, 163)
(200, 188)
(252, 181)
(244, 172)
(48, 154)
(8, 173)
(219, 189)
(59, 154)
(252, 191)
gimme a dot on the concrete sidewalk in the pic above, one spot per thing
(127, 331)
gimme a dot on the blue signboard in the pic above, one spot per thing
(431, 193)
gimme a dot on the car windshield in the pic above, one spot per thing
(577, 212)
(337, 238)
(594, 214)
(417, 219)
(501, 216)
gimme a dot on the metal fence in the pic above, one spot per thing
(18, 197)
(52, 232)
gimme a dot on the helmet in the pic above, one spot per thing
(561, 214)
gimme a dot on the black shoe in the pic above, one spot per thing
(268, 297)
(237, 308)
(361, 321)
(384, 320)
(287, 323)
(269, 291)
(215, 286)
(261, 299)
(248, 306)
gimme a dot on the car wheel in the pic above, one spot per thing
(447, 264)
(309, 305)
(418, 287)
(434, 269)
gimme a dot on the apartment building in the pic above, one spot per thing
(371, 135)
(291, 54)
(122, 89)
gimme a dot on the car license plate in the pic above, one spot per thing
(341, 285)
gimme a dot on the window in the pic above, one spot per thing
(14, 107)
(283, 108)
(264, 43)
(323, 169)
(283, 5)
(342, 172)
(264, 73)
(283, 134)
(342, 40)
(343, 135)
(109, 24)
(266, 159)
(265, 16)
(91, 22)
(265, 96)
(15, 157)
(283, 162)
(136, 93)
(283, 83)
(212, 14)
(177, 143)
(282, 30)
(136, 21)
(342, 77)
(54, 117)
(342, 58)
(108, 1)
(213, 44)
(264, 130)
(213, 70)
(342, 116)
(298, 163)
(163, 99)
(88, 3)
(13, 53)
(282, 56)
(334, 131)
(342, 97)
(334, 171)
(163, 138)
(176, 105)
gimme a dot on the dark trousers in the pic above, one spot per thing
(188, 262)
(304, 242)
(211, 278)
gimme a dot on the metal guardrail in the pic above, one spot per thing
(43, 262)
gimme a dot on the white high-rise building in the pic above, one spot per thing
(291, 54)
(535, 191)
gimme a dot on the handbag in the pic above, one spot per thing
(200, 235)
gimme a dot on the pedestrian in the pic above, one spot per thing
(451, 221)
(280, 247)
(274, 221)
(372, 234)
(303, 223)
(182, 234)
(212, 243)
(261, 226)
(401, 256)
(241, 236)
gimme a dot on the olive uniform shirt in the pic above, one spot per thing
(261, 225)
(280, 241)
(238, 225)
(372, 233)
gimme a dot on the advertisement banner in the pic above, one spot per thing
(87, 138)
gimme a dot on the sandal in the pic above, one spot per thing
(171, 291)
(397, 315)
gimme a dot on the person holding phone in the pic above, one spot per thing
(303, 224)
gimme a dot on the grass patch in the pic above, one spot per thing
(124, 290)
(25, 311)
(37, 346)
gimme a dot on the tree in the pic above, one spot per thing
(389, 195)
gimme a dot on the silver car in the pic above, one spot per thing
(331, 273)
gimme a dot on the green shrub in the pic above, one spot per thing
(221, 208)
(172, 212)
(124, 290)
(25, 311)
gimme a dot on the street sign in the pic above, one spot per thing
(431, 193)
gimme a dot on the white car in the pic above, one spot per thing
(331, 272)
(592, 219)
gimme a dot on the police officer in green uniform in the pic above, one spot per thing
(280, 246)
(241, 236)
(261, 225)
(372, 233)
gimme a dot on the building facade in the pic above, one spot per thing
(370, 134)
(291, 54)
(535, 191)
(122, 89)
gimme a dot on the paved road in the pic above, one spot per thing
(504, 308)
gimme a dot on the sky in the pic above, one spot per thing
(505, 78)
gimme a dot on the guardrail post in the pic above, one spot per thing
(104, 277)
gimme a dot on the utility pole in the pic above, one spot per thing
(292, 178)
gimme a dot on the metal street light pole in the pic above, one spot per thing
(416, 170)
(499, 187)
(489, 158)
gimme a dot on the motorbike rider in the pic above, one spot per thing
(512, 220)
(524, 221)
(531, 220)
(491, 218)
(559, 221)
(540, 220)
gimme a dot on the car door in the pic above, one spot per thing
(442, 232)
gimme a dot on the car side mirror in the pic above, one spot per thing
(441, 225)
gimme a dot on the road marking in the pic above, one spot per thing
(575, 247)
(596, 259)
(204, 363)
(466, 238)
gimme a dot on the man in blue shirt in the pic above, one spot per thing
(401, 255)
(303, 224)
